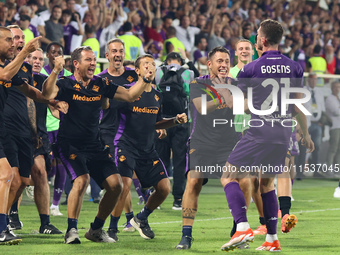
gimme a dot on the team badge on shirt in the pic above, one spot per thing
(77, 87)
(191, 151)
(122, 158)
(95, 88)
(155, 162)
(6, 84)
(35, 83)
(130, 79)
(73, 156)
(24, 69)
(156, 98)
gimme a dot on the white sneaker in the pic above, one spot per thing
(54, 211)
(337, 193)
(30, 192)
(72, 236)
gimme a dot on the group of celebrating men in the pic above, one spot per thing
(133, 110)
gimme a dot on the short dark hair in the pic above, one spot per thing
(76, 54)
(54, 43)
(317, 49)
(218, 49)
(68, 12)
(174, 56)
(171, 30)
(137, 62)
(25, 17)
(89, 29)
(127, 26)
(272, 31)
(56, 7)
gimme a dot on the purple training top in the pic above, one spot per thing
(271, 70)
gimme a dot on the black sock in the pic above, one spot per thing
(233, 230)
(285, 204)
(262, 220)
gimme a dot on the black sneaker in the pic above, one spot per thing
(6, 237)
(49, 229)
(14, 222)
(96, 200)
(113, 234)
(177, 205)
(185, 243)
(143, 228)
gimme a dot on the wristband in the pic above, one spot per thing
(146, 81)
(55, 72)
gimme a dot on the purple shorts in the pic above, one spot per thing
(269, 157)
(52, 136)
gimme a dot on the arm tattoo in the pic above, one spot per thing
(189, 213)
(32, 116)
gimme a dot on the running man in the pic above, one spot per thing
(135, 147)
(263, 146)
(78, 141)
(120, 75)
(204, 139)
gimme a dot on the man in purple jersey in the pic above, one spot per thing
(266, 145)
(209, 146)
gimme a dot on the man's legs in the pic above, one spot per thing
(189, 210)
(118, 209)
(59, 184)
(128, 213)
(284, 193)
(270, 210)
(140, 221)
(256, 195)
(42, 195)
(6, 176)
(179, 138)
(316, 134)
(75, 200)
(238, 208)
(113, 186)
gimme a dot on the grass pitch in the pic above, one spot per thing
(317, 230)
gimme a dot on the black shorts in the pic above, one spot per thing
(148, 171)
(201, 163)
(91, 159)
(19, 153)
(107, 139)
(44, 149)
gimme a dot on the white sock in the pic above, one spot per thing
(54, 206)
(271, 238)
(242, 226)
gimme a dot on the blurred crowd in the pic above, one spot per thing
(162, 26)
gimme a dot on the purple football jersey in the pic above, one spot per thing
(273, 71)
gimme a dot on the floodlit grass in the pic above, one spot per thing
(317, 231)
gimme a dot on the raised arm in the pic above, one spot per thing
(13, 67)
(50, 88)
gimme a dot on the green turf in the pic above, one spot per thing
(317, 231)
